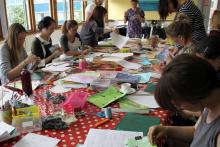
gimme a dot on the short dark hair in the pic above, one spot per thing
(210, 47)
(45, 22)
(98, 15)
(163, 7)
(187, 78)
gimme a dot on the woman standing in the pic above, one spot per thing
(188, 8)
(134, 16)
(94, 27)
(13, 57)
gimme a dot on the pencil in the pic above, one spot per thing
(102, 122)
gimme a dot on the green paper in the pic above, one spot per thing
(106, 97)
(137, 123)
(138, 143)
(128, 104)
(145, 77)
(151, 87)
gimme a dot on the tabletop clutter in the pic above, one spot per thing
(124, 76)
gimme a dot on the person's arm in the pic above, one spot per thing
(218, 141)
(142, 16)
(126, 17)
(96, 29)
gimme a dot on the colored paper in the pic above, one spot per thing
(108, 138)
(145, 77)
(128, 104)
(127, 78)
(151, 87)
(145, 100)
(144, 142)
(106, 97)
(85, 77)
(137, 123)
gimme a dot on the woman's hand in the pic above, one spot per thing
(31, 59)
(56, 53)
(155, 133)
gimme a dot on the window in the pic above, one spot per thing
(63, 11)
(78, 10)
(41, 9)
(17, 12)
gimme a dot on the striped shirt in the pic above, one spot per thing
(195, 18)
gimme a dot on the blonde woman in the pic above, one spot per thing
(13, 57)
(215, 24)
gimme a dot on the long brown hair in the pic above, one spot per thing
(98, 15)
(215, 21)
(67, 25)
(12, 41)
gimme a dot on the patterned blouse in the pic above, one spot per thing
(134, 23)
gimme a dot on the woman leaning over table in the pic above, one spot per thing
(134, 16)
(94, 27)
(70, 40)
(42, 44)
(13, 57)
(190, 83)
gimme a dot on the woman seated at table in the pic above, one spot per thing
(209, 49)
(42, 44)
(180, 31)
(134, 16)
(94, 27)
(215, 24)
(13, 57)
(190, 83)
(70, 40)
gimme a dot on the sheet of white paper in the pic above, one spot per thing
(57, 67)
(111, 59)
(129, 65)
(146, 100)
(35, 140)
(59, 89)
(118, 40)
(122, 55)
(108, 138)
(6, 127)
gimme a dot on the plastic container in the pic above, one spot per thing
(100, 84)
(27, 119)
(77, 100)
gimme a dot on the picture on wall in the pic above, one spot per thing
(149, 5)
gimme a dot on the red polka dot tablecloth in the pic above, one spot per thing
(76, 133)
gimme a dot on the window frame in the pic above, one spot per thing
(53, 11)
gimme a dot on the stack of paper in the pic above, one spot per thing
(85, 77)
(123, 63)
(109, 138)
(56, 67)
(7, 132)
(35, 140)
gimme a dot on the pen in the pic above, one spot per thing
(102, 122)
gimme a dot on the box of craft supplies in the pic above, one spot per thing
(27, 119)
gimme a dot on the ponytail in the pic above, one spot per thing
(67, 25)
(64, 28)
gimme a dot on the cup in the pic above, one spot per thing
(125, 88)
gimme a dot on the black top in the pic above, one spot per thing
(37, 49)
(64, 42)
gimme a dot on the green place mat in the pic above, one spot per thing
(151, 87)
(137, 123)
(106, 97)
(138, 143)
